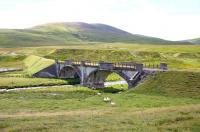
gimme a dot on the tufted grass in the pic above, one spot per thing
(159, 104)
(19, 82)
(185, 57)
(81, 109)
(165, 102)
(173, 83)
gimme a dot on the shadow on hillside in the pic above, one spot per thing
(73, 81)
(110, 90)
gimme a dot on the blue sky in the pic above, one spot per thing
(168, 19)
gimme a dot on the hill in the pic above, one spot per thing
(194, 41)
(183, 84)
(73, 32)
(174, 56)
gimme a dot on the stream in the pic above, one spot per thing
(41, 87)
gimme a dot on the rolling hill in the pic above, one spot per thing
(194, 41)
(72, 32)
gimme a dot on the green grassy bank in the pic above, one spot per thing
(158, 104)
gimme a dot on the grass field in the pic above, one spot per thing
(176, 84)
(81, 109)
(158, 104)
(177, 56)
(18, 82)
(165, 102)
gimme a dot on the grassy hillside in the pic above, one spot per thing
(7, 61)
(195, 41)
(70, 33)
(177, 58)
(174, 84)
(34, 64)
(93, 55)
(185, 57)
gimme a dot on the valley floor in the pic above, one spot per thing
(81, 109)
(165, 102)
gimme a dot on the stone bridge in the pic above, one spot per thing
(94, 74)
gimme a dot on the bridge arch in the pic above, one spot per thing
(67, 72)
(98, 77)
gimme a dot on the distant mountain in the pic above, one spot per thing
(194, 41)
(72, 32)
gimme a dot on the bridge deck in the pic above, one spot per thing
(97, 64)
(117, 65)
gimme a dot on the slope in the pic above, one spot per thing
(194, 41)
(74, 32)
(175, 84)
(34, 64)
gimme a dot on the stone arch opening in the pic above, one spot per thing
(69, 72)
(97, 79)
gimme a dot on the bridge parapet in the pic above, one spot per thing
(125, 65)
(114, 66)
(106, 66)
(68, 62)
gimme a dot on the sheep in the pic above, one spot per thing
(98, 93)
(112, 103)
(106, 99)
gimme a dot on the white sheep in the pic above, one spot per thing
(113, 103)
(106, 99)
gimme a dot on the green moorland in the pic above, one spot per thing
(177, 56)
(19, 82)
(195, 41)
(70, 33)
(167, 101)
(161, 103)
